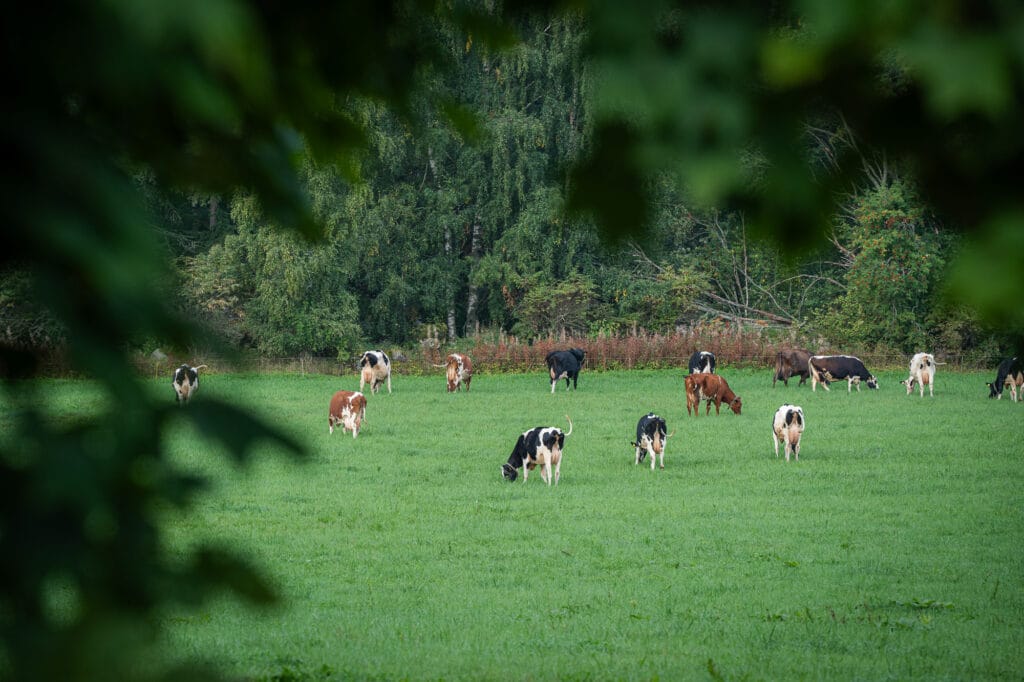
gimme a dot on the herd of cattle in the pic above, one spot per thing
(543, 445)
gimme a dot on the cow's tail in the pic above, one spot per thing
(201, 367)
(570, 426)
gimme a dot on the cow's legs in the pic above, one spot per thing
(661, 459)
(652, 455)
(775, 442)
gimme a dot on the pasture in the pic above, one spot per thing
(894, 549)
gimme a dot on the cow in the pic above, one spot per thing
(712, 388)
(922, 372)
(348, 408)
(186, 382)
(789, 363)
(702, 361)
(1010, 373)
(650, 439)
(540, 445)
(564, 364)
(825, 369)
(459, 369)
(788, 427)
(376, 369)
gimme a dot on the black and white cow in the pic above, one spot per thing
(825, 369)
(702, 362)
(540, 445)
(1009, 373)
(564, 364)
(788, 427)
(650, 439)
(922, 373)
(376, 369)
(186, 382)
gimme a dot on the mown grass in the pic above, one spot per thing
(892, 550)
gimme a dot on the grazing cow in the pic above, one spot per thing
(712, 388)
(702, 362)
(186, 382)
(348, 408)
(564, 364)
(788, 427)
(459, 369)
(1010, 374)
(922, 372)
(540, 445)
(825, 369)
(789, 363)
(650, 439)
(376, 370)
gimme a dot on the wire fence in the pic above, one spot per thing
(523, 363)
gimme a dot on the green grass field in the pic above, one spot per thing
(894, 549)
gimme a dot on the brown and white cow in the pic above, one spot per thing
(788, 427)
(348, 408)
(790, 363)
(712, 388)
(459, 369)
(186, 382)
(922, 372)
(376, 369)
(540, 445)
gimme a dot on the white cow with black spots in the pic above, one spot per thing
(788, 427)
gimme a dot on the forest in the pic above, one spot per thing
(461, 219)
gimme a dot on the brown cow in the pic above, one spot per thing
(460, 371)
(789, 363)
(348, 408)
(712, 388)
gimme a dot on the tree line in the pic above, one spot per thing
(462, 223)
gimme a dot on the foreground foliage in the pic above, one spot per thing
(222, 97)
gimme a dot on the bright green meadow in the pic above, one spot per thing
(894, 549)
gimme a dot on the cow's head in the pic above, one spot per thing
(736, 404)
(579, 353)
(872, 381)
(509, 472)
(909, 383)
(993, 392)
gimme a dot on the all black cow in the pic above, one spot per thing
(564, 364)
(702, 362)
(790, 363)
(1009, 373)
(825, 369)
